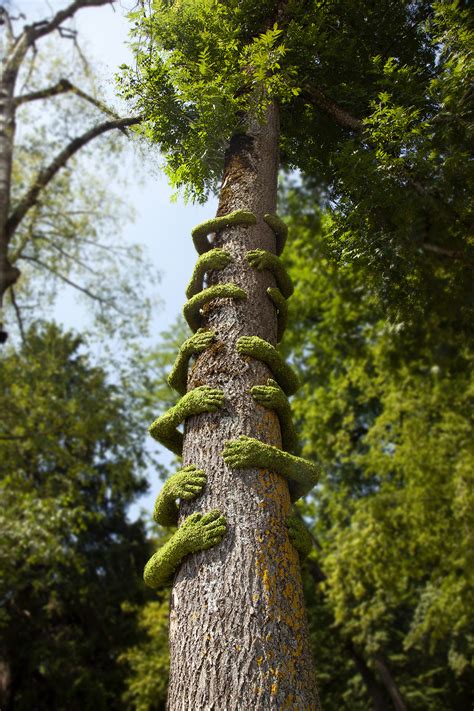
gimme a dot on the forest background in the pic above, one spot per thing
(380, 333)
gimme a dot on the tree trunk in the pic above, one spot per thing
(238, 630)
(5, 684)
(390, 684)
(8, 273)
(375, 691)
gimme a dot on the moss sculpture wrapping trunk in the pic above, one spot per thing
(238, 634)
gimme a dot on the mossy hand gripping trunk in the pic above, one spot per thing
(238, 634)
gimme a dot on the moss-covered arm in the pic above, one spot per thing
(186, 484)
(197, 533)
(260, 260)
(201, 231)
(215, 259)
(299, 535)
(281, 306)
(178, 377)
(196, 401)
(192, 308)
(262, 350)
(272, 397)
(248, 453)
(280, 230)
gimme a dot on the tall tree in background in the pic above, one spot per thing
(71, 463)
(387, 408)
(365, 113)
(38, 228)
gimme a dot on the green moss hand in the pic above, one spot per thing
(192, 308)
(178, 377)
(262, 350)
(272, 397)
(186, 484)
(281, 306)
(238, 217)
(201, 231)
(196, 401)
(260, 260)
(299, 535)
(197, 532)
(214, 259)
(248, 453)
(280, 230)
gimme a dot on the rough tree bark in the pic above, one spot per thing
(8, 273)
(238, 631)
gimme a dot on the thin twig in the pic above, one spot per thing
(18, 315)
(87, 292)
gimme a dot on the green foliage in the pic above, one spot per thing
(400, 187)
(200, 67)
(148, 661)
(71, 462)
(386, 409)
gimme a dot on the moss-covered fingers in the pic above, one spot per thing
(215, 259)
(281, 306)
(262, 350)
(196, 401)
(192, 308)
(178, 377)
(248, 453)
(299, 535)
(280, 230)
(272, 397)
(201, 231)
(260, 260)
(186, 484)
(197, 532)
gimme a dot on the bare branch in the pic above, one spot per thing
(6, 20)
(31, 33)
(87, 292)
(443, 251)
(45, 27)
(62, 87)
(67, 255)
(45, 176)
(18, 314)
(7, 438)
(340, 115)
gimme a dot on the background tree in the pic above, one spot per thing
(51, 214)
(71, 463)
(386, 407)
